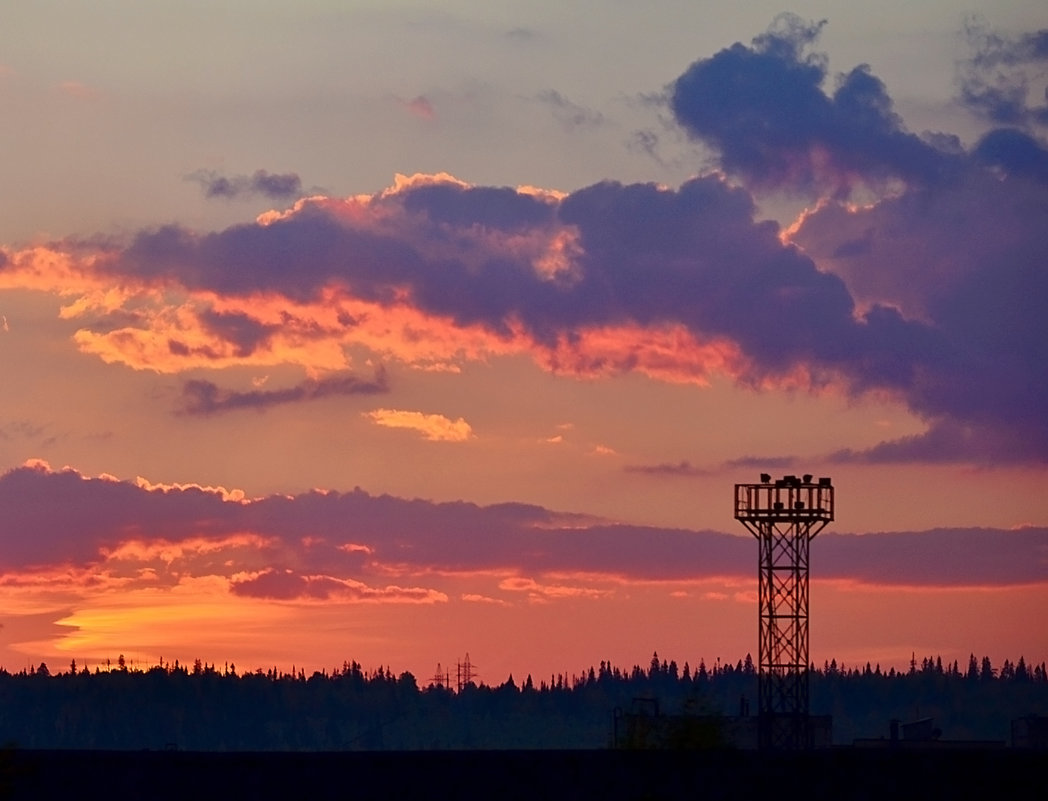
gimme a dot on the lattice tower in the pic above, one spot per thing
(784, 516)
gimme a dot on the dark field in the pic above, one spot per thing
(481, 775)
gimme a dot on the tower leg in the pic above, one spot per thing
(783, 717)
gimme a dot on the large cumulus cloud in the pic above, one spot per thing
(764, 110)
(955, 243)
(542, 272)
(932, 291)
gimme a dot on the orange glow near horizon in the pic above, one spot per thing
(557, 627)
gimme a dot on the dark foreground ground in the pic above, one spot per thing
(481, 775)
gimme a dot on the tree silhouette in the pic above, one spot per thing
(352, 708)
(986, 671)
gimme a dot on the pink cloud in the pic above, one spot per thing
(62, 519)
(420, 107)
(80, 91)
(541, 593)
(434, 427)
(477, 598)
(287, 585)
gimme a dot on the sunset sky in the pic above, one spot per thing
(392, 331)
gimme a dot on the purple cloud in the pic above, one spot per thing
(948, 441)
(328, 544)
(965, 257)
(201, 397)
(943, 556)
(763, 109)
(240, 329)
(1015, 152)
(959, 251)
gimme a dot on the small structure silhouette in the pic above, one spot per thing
(923, 735)
(1031, 732)
(465, 673)
(441, 677)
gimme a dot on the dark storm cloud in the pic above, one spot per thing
(328, 544)
(1002, 73)
(764, 110)
(276, 186)
(202, 398)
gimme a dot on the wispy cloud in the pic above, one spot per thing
(762, 462)
(539, 592)
(201, 397)
(277, 186)
(681, 468)
(946, 442)
(521, 34)
(995, 80)
(569, 114)
(287, 585)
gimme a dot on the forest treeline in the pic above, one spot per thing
(202, 707)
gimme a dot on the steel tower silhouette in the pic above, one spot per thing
(784, 516)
